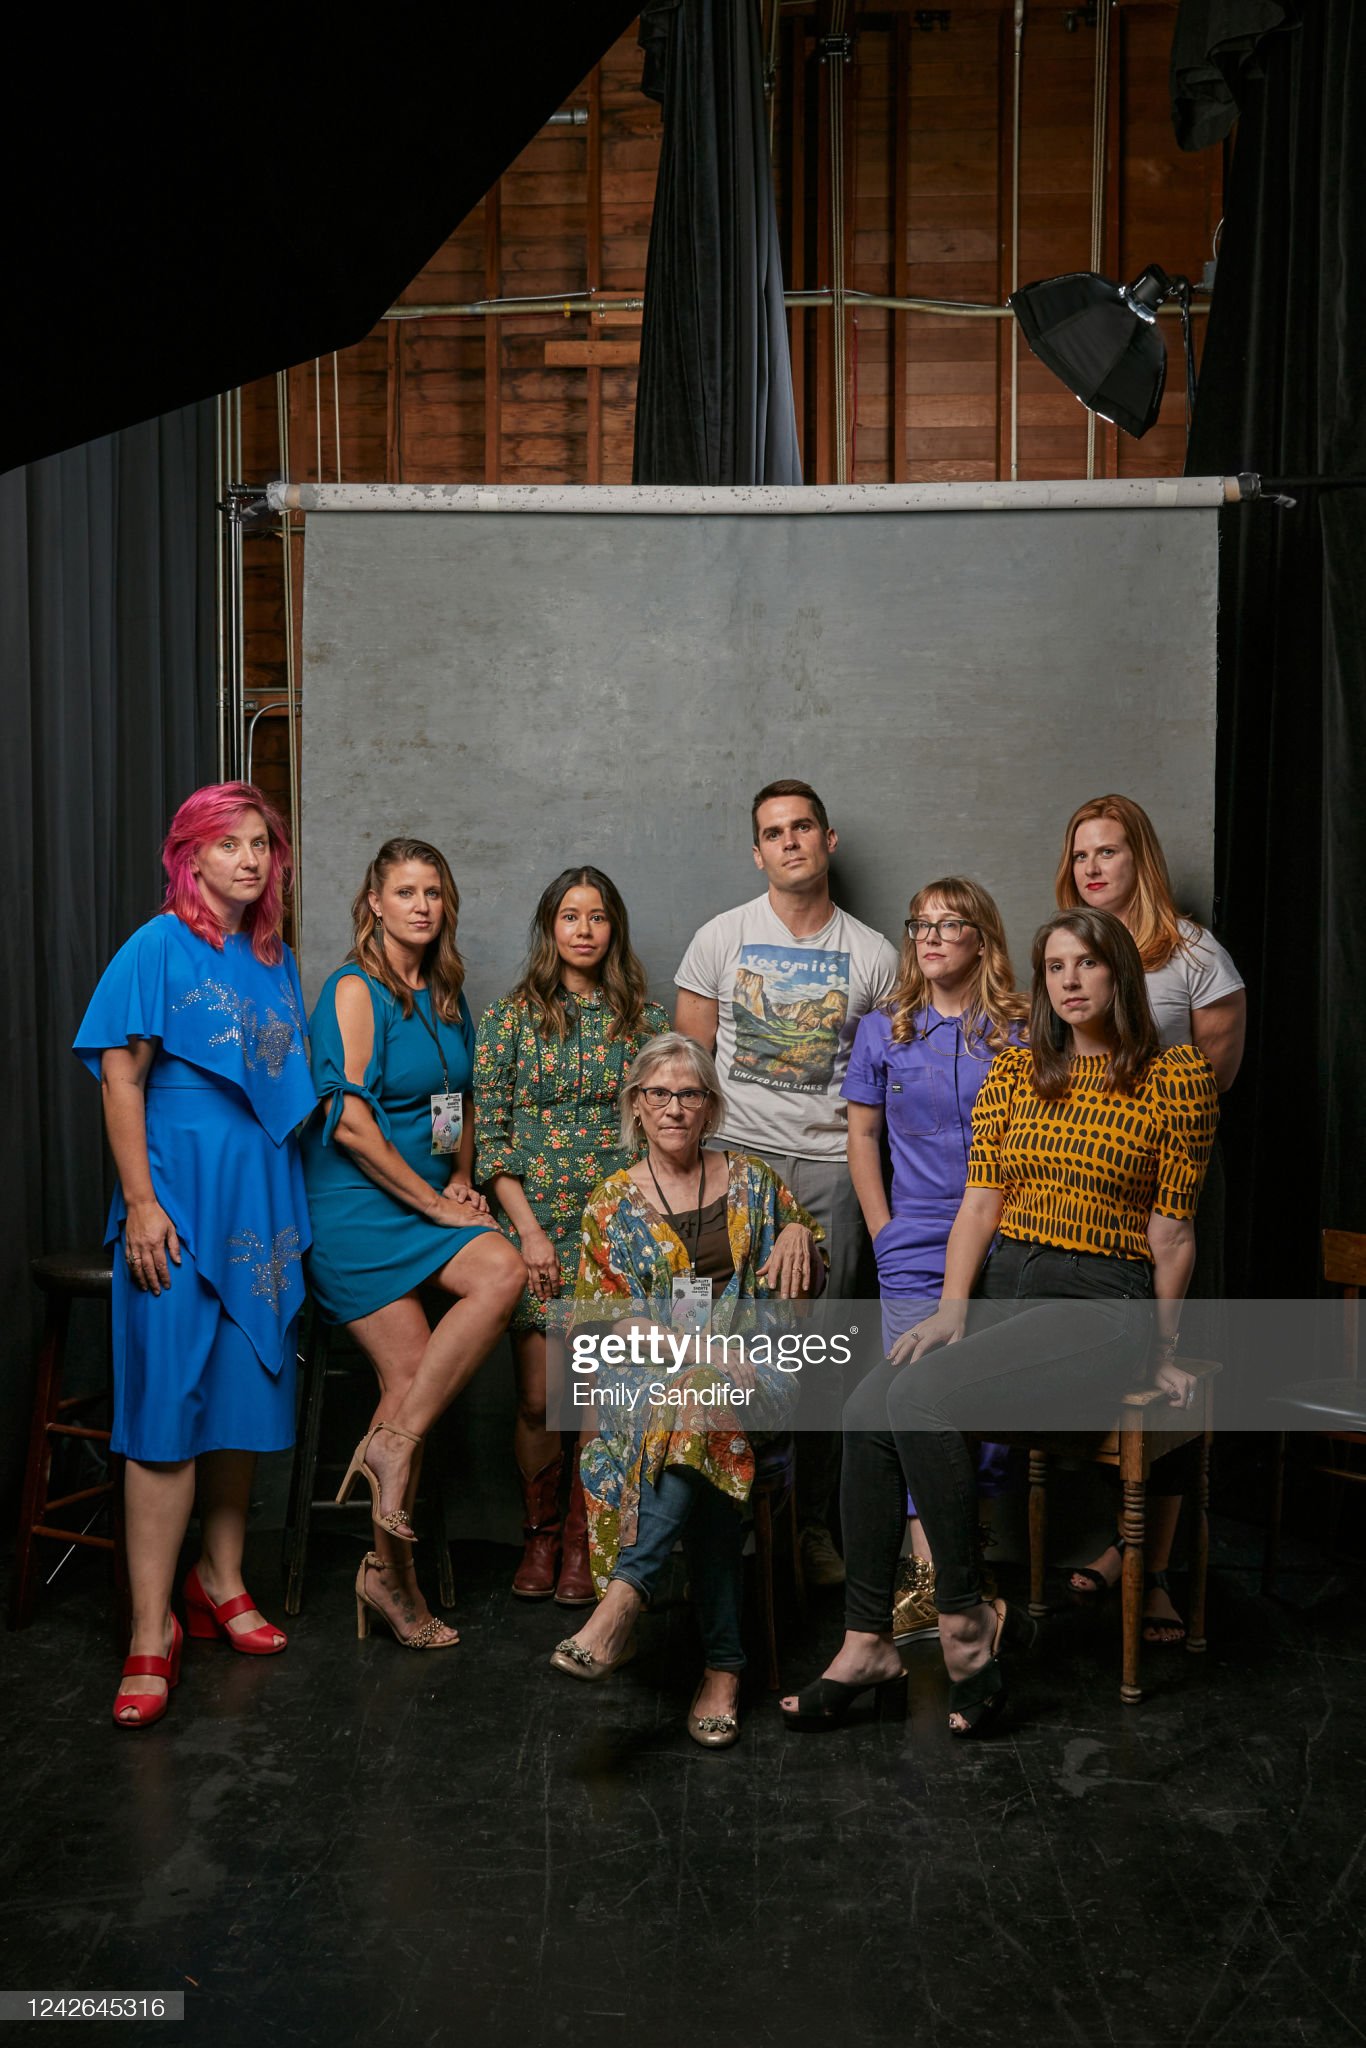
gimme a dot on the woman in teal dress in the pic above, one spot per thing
(196, 1034)
(548, 1064)
(387, 1159)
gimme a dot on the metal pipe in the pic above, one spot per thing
(1015, 239)
(569, 117)
(1157, 493)
(275, 704)
(570, 303)
(219, 588)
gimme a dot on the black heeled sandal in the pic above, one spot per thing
(979, 1700)
(1158, 1582)
(1099, 1585)
(826, 1702)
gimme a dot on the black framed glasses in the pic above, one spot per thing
(949, 928)
(691, 1098)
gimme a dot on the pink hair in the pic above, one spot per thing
(203, 816)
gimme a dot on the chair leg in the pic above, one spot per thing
(1038, 1530)
(1199, 1576)
(794, 1536)
(1133, 1518)
(1273, 1518)
(316, 1351)
(763, 1573)
(38, 1464)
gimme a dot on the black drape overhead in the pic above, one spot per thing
(190, 205)
(108, 654)
(1215, 57)
(1283, 392)
(714, 403)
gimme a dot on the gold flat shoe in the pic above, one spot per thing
(570, 1657)
(712, 1731)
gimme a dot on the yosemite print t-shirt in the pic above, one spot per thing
(787, 1011)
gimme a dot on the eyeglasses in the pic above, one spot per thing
(691, 1098)
(949, 928)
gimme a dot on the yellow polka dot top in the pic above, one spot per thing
(1086, 1172)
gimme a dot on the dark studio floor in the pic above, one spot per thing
(352, 1844)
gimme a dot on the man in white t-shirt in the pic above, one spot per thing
(775, 989)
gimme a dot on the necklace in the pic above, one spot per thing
(690, 1249)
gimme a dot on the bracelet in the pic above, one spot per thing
(1168, 1345)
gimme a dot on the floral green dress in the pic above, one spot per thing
(628, 1258)
(548, 1112)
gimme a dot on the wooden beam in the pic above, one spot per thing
(1005, 59)
(591, 354)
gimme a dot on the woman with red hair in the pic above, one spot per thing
(196, 1034)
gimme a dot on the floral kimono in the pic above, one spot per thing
(629, 1257)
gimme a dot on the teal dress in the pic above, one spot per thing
(368, 1248)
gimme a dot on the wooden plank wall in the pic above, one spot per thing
(549, 397)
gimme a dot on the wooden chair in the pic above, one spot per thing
(58, 1419)
(774, 1501)
(319, 1364)
(1332, 1410)
(1132, 1448)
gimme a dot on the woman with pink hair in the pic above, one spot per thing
(196, 1034)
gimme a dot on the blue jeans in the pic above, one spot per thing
(712, 1529)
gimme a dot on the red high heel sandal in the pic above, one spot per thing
(149, 1706)
(205, 1621)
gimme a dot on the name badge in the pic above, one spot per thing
(448, 1117)
(691, 1302)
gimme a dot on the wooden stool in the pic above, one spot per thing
(1132, 1448)
(773, 1497)
(63, 1277)
(316, 1368)
(1333, 1410)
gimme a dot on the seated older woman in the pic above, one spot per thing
(683, 1233)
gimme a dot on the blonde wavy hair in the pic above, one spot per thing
(991, 1003)
(1150, 914)
(443, 970)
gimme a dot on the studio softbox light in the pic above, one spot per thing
(1100, 338)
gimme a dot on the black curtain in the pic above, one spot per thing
(190, 204)
(1215, 57)
(1283, 392)
(108, 659)
(714, 403)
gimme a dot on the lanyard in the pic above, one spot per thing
(431, 1033)
(669, 1214)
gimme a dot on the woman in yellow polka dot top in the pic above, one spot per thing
(1088, 1151)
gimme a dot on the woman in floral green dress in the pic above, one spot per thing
(548, 1064)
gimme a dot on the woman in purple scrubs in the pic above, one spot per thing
(914, 1072)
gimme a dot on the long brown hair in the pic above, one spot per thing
(991, 1003)
(1135, 1042)
(442, 968)
(1152, 916)
(621, 975)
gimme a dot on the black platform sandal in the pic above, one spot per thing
(826, 1702)
(979, 1700)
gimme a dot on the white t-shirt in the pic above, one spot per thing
(787, 1011)
(1198, 974)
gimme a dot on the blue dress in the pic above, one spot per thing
(208, 1364)
(369, 1248)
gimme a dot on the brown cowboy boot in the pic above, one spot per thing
(575, 1588)
(535, 1575)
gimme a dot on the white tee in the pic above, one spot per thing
(1198, 974)
(787, 1011)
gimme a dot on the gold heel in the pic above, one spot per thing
(396, 1522)
(431, 1634)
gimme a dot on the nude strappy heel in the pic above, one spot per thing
(396, 1521)
(432, 1634)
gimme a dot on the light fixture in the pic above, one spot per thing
(1100, 338)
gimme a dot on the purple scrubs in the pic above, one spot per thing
(925, 1088)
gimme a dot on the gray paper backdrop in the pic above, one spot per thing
(527, 690)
